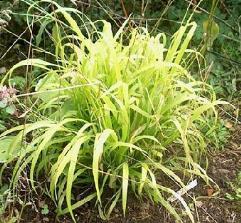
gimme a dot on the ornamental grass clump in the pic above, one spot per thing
(117, 114)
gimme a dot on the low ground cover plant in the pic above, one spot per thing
(236, 195)
(116, 113)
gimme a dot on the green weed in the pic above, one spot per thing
(236, 196)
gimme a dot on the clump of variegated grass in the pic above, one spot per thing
(113, 110)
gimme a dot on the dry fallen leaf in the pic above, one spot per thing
(210, 192)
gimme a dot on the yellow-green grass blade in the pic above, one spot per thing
(78, 204)
(73, 155)
(113, 204)
(144, 170)
(125, 182)
(98, 150)
(47, 137)
(28, 62)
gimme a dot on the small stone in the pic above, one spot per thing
(198, 204)
(3, 70)
(41, 203)
(46, 219)
(116, 210)
(228, 125)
